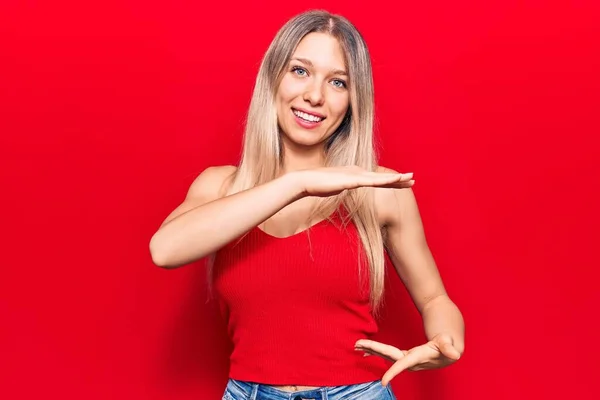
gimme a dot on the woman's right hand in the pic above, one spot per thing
(207, 220)
(329, 181)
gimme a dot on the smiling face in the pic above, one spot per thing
(313, 98)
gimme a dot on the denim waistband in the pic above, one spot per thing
(242, 390)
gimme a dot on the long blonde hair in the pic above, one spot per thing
(351, 144)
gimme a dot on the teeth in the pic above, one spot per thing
(307, 117)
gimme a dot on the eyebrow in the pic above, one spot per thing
(310, 64)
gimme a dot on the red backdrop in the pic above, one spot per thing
(109, 110)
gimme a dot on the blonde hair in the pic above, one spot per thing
(351, 144)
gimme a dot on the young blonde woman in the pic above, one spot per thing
(296, 233)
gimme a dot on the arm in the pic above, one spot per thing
(206, 220)
(412, 259)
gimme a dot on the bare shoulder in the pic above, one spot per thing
(212, 183)
(392, 204)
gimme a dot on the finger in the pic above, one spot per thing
(384, 182)
(368, 353)
(413, 358)
(379, 177)
(402, 177)
(400, 184)
(375, 182)
(449, 351)
(381, 349)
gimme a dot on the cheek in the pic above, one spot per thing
(287, 91)
(339, 104)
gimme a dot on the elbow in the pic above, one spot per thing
(159, 253)
(169, 252)
(161, 262)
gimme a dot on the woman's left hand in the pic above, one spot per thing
(437, 353)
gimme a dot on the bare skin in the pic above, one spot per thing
(282, 206)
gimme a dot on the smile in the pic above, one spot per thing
(307, 117)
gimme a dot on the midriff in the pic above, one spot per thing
(295, 388)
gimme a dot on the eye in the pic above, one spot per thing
(299, 71)
(339, 83)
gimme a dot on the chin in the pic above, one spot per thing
(305, 139)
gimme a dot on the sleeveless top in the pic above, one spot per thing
(295, 306)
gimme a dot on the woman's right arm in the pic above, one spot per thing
(206, 221)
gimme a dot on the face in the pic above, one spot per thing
(313, 97)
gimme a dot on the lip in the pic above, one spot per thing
(306, 124)
(309, 112)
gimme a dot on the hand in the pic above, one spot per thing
(437, 353)
(330, 181)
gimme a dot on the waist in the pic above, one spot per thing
(247, 390)
(295, 388)
(305, 369)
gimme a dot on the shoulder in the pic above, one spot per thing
(212, 183)
(392, 204)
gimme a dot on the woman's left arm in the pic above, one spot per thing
(412, 259)
(408, 249)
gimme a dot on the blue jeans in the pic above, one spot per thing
(241, 390)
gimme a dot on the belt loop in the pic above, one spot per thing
(324, 394)
(254, 391)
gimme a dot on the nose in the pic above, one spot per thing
(314, 94)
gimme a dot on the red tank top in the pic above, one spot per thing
(295, 306)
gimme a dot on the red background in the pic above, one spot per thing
(109, 110)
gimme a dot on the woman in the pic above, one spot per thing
(296, 232)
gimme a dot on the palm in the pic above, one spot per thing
(436, 353)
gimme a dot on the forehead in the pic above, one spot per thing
(322, 49)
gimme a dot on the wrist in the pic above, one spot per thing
(293, 185)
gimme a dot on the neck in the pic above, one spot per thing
(297, 158)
